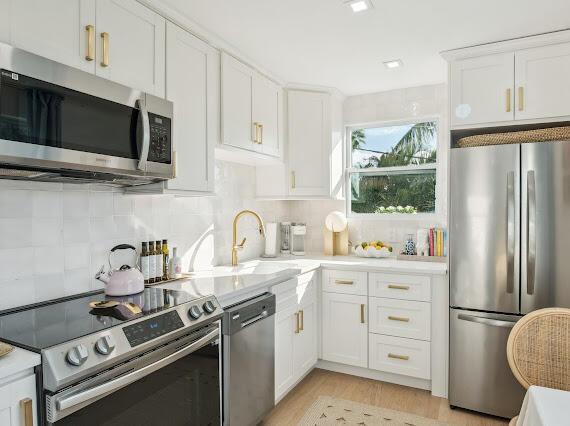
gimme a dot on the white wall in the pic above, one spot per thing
(54, 237)
(392, 106)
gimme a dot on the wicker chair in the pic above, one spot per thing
(538, 349)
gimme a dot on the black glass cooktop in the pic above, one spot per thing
(52, 323)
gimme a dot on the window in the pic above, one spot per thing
(392, 169)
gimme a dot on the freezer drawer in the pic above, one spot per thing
(480, 378)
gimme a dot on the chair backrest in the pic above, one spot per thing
(538, 349)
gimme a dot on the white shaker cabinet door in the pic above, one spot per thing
(192, 69)
(285, 337)
(309, 151)
(237, 124)
(482, 89)
(266, 98)
(305, 349)
(55, 29)
(15, 399)
(543, 82)
(345, 329)
(131, 45)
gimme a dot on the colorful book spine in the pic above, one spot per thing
(431, 242)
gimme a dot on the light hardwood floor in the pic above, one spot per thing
(321, 382)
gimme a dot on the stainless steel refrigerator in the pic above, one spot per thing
(509, 255)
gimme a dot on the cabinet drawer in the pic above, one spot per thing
(347, 282)
(400, 356)
(401, 286)
(400, 318)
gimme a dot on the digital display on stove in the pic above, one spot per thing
(152, 328)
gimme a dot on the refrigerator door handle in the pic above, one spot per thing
(531, 232)
(487, 321)
(510, 232)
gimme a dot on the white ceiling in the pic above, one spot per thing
(322, 42)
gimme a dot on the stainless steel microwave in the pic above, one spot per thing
(61, 124)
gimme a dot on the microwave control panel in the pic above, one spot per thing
(160, 149)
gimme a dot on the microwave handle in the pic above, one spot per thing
(141, 104)
(122, 381)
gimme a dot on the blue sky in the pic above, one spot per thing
(384, 138)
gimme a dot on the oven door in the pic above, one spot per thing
(177, 384)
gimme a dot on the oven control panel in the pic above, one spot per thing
(152, 328)
(160, 148)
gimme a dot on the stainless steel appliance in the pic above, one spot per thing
(61, 124)
(160, 368)
(509, 236)
(249, 360)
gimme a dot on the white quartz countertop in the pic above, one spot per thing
(17, 361)
(232, 284)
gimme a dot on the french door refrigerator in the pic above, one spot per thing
(509, 246)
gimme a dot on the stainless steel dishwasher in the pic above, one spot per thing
(249, 360)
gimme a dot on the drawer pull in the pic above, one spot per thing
(398, 287)
(347, 282)
(396, 356)
(403, 319)
(302, 314)
(362, 313)
(297, 325)
(105, 47)
(90, 55)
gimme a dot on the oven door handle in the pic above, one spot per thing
(122, 381)
(146, 134)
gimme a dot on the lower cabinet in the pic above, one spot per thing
(295, 331)
(18, 402)
(345, 329)
(397, 355)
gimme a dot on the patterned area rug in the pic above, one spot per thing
(332, 411)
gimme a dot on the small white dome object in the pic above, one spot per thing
(336, 221)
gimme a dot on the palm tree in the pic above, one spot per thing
(358, 139)
(412, 148)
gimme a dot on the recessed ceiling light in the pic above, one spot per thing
(396, 63)
(359, 5)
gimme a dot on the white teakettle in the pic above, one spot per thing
(123, 281)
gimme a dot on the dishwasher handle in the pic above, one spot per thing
(253, 320)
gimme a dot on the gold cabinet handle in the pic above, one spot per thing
(508, 100)
(398, 287)
(302, 315)
(403, 319)
(105, 44)
(362, 313)
(396, 356)
(174, 164)
(28, 413)
(260, 133)
(293, 180)
(345, 282)
(255, 132)
(297, 327)
(521, 98)
(90, 29)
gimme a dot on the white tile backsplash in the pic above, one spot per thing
(54, 237)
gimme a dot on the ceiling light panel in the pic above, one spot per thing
(359, 5)
(395, 63)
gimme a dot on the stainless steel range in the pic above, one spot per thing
(162, 367)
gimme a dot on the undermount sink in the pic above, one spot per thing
(254, 267)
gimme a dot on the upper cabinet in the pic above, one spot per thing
(518, 84)
(314, 164)
(483, 89)
(121, 40)
(251, 109)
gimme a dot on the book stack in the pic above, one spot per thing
(438, 242)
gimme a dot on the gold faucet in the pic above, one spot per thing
(235, 245)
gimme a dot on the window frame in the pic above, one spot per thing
(349, 170)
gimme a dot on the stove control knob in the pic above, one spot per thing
(105, 345)
(209, 307)
(194, 312)
(77, 355)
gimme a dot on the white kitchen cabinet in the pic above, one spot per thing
(396, 355)
(17, 399)
(349, 282)
(482, 89)
(542, 83)
(309, 125)
(400, 318)
(54, 29)
(135, 47)
(192, 71)
(251, 109)
(400, 286)
(345, 329)
(296, 331)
